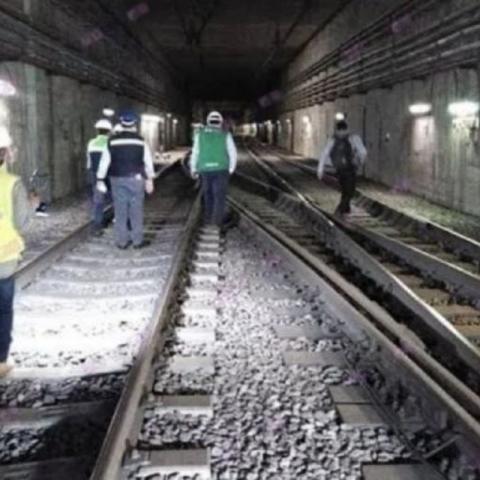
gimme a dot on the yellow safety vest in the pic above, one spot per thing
(11, 243)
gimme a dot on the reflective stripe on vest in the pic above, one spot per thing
(213, 153)
(11, 243)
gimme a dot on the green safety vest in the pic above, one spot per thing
(213, 153)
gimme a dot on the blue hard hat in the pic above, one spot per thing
(129, 118)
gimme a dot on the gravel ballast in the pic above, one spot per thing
(269, 420)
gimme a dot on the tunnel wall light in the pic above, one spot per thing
(151, 118)
(306, 119)
(463, 109)
(340, 116)
(108, 112)
(7, 89)
(420, 108)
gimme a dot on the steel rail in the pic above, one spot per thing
(433, 230)
(347, 248)
(123, 432)
(26, 273)
(462, 282)
(402, 353)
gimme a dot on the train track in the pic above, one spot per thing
(280, 372)
(304, 228)
(82, 311)
(260, 361)
(443, 295)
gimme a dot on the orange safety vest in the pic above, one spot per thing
(11, 242)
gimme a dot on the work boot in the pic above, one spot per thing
(144, 244)
(5, 369)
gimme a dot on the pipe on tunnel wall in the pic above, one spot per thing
(444, 46)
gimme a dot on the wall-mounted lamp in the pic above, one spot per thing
(151, 118)
(175, 121)
(7, 89)
(306, 119)
(108, 112)
(340, 116)
(463, 109)
(465, 115)
(420, 108)
(169, 115)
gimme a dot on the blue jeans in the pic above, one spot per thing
(128, 200)
(7, 292)
(214, 190)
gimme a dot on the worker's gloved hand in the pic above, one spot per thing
(195, 175)
(101, 187)
(149, 186)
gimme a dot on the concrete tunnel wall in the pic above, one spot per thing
(436, 156)
(51, 117)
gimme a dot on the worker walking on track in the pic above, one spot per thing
(128, 162)
(214, 157)
(15, 211)
(346, 153)
(96, 147)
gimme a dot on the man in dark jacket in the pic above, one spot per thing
(346, 153)
(128, 162)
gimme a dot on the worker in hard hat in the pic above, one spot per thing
(96, 147)
(128, 162)
(15, 211)
(214, 158)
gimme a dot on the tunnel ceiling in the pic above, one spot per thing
(223, 48)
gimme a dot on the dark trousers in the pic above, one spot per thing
(99, 202)
(347, 179)
(214, 190)
(7, 291)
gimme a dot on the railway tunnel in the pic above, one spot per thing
(300, 338)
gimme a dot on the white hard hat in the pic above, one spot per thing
(5, 138)
(214, 119)
(104, 124)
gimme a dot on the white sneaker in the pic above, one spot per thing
(5, 369)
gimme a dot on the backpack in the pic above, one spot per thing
(342, 154)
